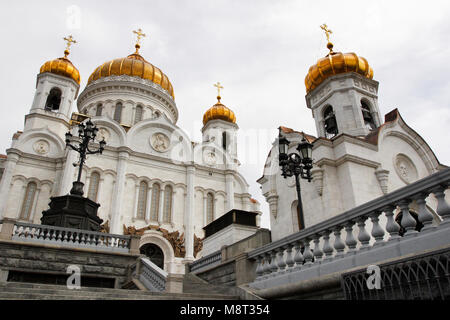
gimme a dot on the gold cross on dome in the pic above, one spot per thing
(69, 40)
(218, 86)
(324, 27)
(139, 34)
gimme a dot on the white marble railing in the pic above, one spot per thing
(150, 275)
(207, 261)
(353, 244)
(67, 237)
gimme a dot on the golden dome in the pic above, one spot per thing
(135, 66)
(336, 63)
(63, 67)
(219, 111)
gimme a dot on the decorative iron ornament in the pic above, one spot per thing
(424, 277)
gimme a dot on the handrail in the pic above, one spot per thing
(151, 276)
(70, 237)
(209, 260)
(441, 178)
(294, 253)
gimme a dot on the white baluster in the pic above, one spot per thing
(289, 258)
(407, 222)
(425, 217)
(298, 258)
(392, 226)
(338, 243)
(443, 208)
(307, 253)
(363, 236)
(317, 251)
(280, 260)
(327, 248)
(377, 231)
(350, 239)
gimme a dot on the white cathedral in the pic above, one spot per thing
(150, 176)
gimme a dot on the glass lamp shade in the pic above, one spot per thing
(68, 136)
(283, 145)
(305, 149)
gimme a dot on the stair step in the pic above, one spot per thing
(21, 291)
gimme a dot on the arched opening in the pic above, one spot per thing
(295, 216)
(209, 208)
(167, 212)
(224, 140)
(53, 100)
(28, 201)
(142, 200)
(154, 253)
(330, 124)
(138, 114)
(369, 123)
(93, 186)
(99, 110)
(154, 209)
(118, 112)
(402, 230)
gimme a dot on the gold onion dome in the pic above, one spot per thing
(219, 112)
(62, 66)
(135, 66)
(336, 63)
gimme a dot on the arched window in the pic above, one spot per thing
(224, 140)
(209, 208)
(367, 116)
(28, 200)
(142, 200)
(167, 212)
(138, 114)
(118, 112)
(154, 253)
(99, 110)
(330, 123)
(154, 209)
(53, 100)
(93, 186)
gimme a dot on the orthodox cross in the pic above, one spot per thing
(324, 27)
(69, 40)
(140, 35)
(218, 86)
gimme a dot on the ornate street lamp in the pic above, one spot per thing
(73, 210)
(296, 164)
(86, 134)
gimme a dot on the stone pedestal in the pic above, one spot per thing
(72, 211)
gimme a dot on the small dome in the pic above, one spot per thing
(219, 112)
(63, 67)
(336, 63)
(135, 66)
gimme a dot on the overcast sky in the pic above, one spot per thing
(260, 50)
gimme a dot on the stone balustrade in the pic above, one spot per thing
(210, 260)
(67, 237)
(344, 241)
(150, 275)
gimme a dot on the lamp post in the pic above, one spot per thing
(86, 133)
(296, 164)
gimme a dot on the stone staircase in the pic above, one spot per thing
(33, 291)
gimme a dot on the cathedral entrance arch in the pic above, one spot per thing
(154, 253)
(157, 249)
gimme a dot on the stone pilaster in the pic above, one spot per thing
(189, 216)
(118, 192)
(230, 192)
(67, 177)
(5, 183)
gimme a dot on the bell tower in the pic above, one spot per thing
(220, 129)
(342, 94)
(57, 86)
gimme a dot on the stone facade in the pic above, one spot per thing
(149, 164)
